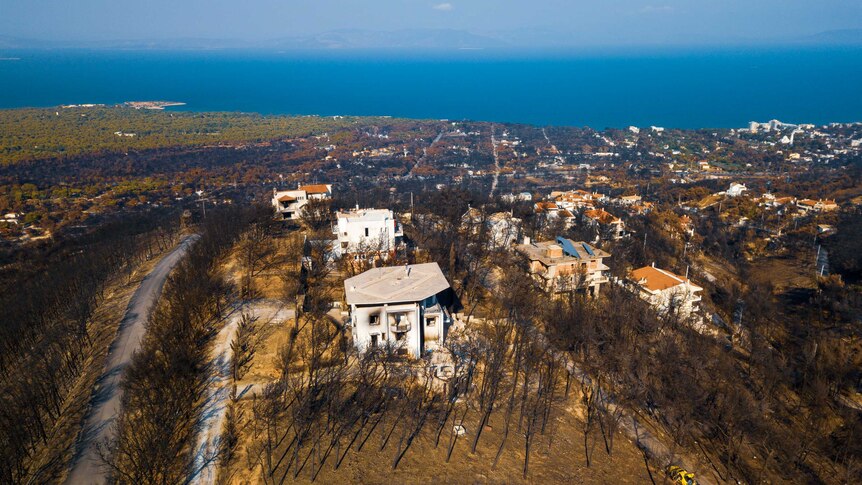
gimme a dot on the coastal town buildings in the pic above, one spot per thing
(402, 306)
(288, 204)
(564, 265)
(667, 292)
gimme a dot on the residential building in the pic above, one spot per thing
(289, 203)
(610, 226)
(564, 265)
(667, 292)
(502, 228)
(629, 200)
(368, 231)
(819, 205)
(551, 212)
(573, 199)
(404, 306)
(735, 190)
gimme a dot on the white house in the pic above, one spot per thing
(368, 230)
(503, 229)
(403, 306)
(735, 190)
(666, 291)
(289, 203)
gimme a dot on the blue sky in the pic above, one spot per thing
(592, 22)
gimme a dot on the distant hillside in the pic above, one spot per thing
(837, 37)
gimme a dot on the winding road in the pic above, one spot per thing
(87, 467)
(496, 164)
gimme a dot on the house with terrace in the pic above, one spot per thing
(288, 204)
(563, 265)
(401, 306)
(667, 292)
(368, 233)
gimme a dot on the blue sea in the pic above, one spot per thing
(685, 88)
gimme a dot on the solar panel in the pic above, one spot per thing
(588, 249)
(568, 248)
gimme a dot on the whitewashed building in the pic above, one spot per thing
(403, 306)
(666, 292)
(361, 231)
(288, 204)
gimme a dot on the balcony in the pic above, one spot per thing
(401, 327)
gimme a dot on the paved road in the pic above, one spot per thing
(105, 401)
(496, 164)
(424, 154)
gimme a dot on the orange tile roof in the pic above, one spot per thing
(655, 279)
(543, 206)
(315, 189)
(601, 215)
(286, 198)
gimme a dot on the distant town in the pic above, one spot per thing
(381, 299)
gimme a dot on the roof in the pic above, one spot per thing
(656, 279)
(286, 198)
(602, 216)
(395, 284)
(315, 188)
(543, 206)
(537, 251)
(367, 215)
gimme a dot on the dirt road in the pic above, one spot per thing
(211, 423)
(104, 407)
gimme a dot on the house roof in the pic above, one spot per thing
(286, 198)
(315, 189)
(601, 215)
(366, 215)
(537, 252)
(543, 206)
(395, 284)
(656, 279)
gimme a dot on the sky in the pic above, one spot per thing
(580, 21)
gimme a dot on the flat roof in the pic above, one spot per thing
(395, 284)
(536, 252)
(366, 215)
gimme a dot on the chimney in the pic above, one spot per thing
(527, 240)
(653, 264)
(357, 206)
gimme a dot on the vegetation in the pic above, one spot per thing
(38, 134)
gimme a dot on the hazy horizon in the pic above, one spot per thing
(508, 22)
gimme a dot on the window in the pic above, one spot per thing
(430, 322)
(374, 340)
(374, 320)
(366, 232)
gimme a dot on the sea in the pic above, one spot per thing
(671, 87)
